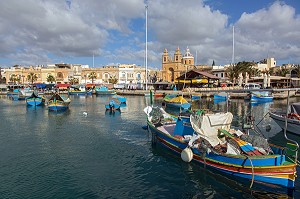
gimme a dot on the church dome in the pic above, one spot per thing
(188, 54)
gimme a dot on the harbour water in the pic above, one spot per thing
(109, 155)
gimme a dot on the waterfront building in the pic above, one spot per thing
(173, 68)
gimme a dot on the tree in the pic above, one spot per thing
(14, 78)
(92, 76)
(283, 71)
(113, 80)
(74, 81)
(32, 77)
(50, 79)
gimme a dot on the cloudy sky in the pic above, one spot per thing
(72, 31)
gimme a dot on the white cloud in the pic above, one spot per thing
(36, 31)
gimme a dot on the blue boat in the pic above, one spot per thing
(221, 96)
(264, 96)
(35, 100)
(77, 90)
(120, 98)
(58, 103)
(209, 141)
(103, 90)
(113, 105)
(174, 101)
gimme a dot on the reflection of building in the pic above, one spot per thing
(172, 69)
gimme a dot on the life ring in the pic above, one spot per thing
(294, 116)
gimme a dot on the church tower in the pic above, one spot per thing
(188, 58)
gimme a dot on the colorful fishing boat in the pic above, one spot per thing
(174, 101)
(121, 99)
(263, 96)
(103, 90)
(207, 139)
(35, 100)
(113, 105)
(293, 118)
(58, 103)
(77, 90)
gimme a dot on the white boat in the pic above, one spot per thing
(293, 118)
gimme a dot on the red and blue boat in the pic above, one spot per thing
(208, 140)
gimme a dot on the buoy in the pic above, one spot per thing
(187, 154)
(85, 113)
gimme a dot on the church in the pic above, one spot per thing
(173, 68)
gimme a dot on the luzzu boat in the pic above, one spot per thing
(221, 96)
(77, 90)
(103, 90)
(113, 105)
(35, 100)
(120, 98)
(174, 101)
(208, 140)
(58, 103)
(264, 96)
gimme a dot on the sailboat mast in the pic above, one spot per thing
(146, 46)
(93, 60)
(232, 61)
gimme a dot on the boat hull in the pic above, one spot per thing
(35, 101)
(293, 125)
(233, 165)
(57, 107)
(178, 105)
(255, 98)
(77, 92)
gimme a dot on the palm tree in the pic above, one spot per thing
(50, 79)
(32, 77)
(92, 76)
(113, 80)
(13, 78)
(283, 71)
(74, 81)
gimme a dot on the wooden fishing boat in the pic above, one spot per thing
(221, 96)
(58, 103)
(293, 118)
(174, 101)
(35, 100)
(114, 104)
(208, 140)
(263, 96)
(77, 90)
(120, 98)
(103, 90)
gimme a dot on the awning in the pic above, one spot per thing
(203, 81)
(62, 86)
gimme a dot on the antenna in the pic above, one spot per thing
(146, 48)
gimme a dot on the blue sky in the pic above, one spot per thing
(36, 32)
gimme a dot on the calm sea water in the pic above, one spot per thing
(104, 155)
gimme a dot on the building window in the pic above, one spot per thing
(165, 59)
(222, 74)
(176, 58)
(190, 62)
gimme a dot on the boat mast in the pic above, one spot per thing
(232, 60)
(93, 60)
(146, 53)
